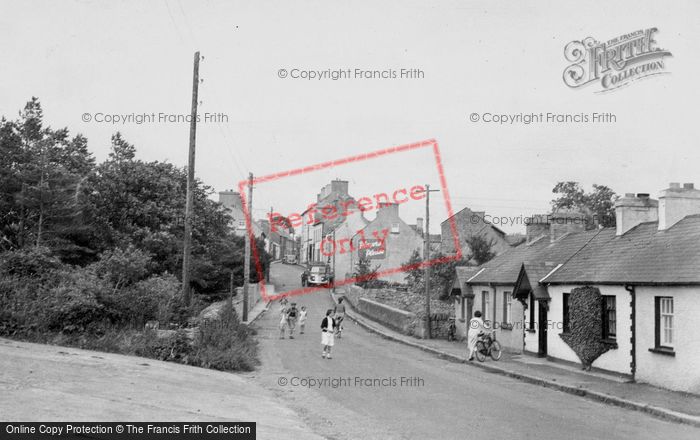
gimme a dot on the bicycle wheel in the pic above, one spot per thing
(496, 350)
(480, 351)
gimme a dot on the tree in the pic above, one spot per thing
(41, 170)
(365, 275)
(442, 274)
(598, 205)
(480, 249)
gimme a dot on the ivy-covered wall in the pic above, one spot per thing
(585, 317)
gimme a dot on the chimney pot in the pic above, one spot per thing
(629, 195)
(643, 195)
(688, 186)
(674, 185)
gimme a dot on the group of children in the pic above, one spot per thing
(289, 316)
(330, 325)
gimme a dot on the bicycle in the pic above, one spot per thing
(339, 326)
(452, 330)
(487, 345)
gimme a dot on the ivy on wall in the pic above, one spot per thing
(585, 322)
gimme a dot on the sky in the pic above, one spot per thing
(104, 58)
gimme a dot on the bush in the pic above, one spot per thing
(32, 262)
(149, 299)
(73, 305)
(226, 344)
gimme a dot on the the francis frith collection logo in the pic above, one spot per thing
(614, 63)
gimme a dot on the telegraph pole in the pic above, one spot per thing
(426, 259)
(187, 242)
(246, 261)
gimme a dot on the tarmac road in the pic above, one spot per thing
(364, 395)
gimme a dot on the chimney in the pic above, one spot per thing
(675, 203)
(632, 210)
(419, 225)
(230, 199)
(388, 211)
(535, 227)
(565, 222)
(340, 187)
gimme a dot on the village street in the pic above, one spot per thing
(454, 399)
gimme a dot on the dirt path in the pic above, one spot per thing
(51, 383)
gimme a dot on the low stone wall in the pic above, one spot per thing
(400, 320)
(391, 317)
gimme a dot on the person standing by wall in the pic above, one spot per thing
(476, 327)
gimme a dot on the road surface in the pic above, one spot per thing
(441, 399)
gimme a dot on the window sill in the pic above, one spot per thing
(663, 350)
(611, 342)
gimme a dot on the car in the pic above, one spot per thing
(290, 259)
(319, 274)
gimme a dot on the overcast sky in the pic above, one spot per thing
(120, 57)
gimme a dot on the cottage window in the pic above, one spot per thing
(609, 317)
(566, 320)
(664, 322)
(241, 223)
(507, 307)
(394, 228)
(531, 324)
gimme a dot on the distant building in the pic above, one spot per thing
(231, 200)
(470, 223)
(391, 242)
(333, 195)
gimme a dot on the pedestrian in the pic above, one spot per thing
(284, 318)
(327, 331)
(476, 328)
(302, 320)
(292, 316)
(339, 314)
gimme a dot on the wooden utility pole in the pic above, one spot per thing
(246, 261)
(187, 242)
(426, 260)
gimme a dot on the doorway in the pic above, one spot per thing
(542, 329)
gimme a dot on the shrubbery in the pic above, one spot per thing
(105, 305)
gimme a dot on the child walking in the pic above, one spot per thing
(284, 318)
(327, 331)
(302, 320)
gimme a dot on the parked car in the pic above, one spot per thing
(290, 259)
(319, 274)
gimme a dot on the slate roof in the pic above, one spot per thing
(643, 255)
(504, 268)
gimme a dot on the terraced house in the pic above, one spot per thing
(644, 275)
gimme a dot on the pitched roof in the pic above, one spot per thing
(643, 255)
(505, 268)
(480, 214)
(529, 277)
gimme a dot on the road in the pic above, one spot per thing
(446, 400)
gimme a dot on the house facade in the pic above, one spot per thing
(647, 271)
(331, 196)
(642, 278)
(388, 242)
(490, 289)
(231, 200)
